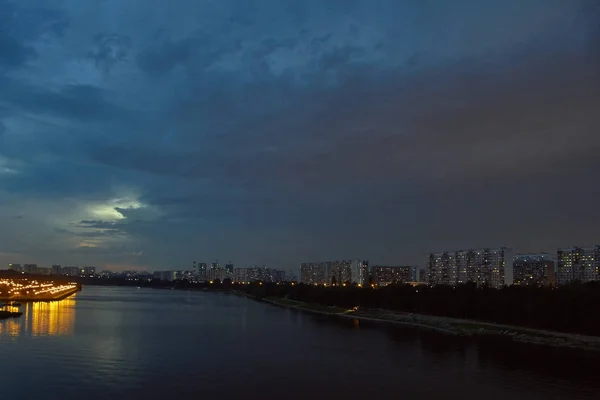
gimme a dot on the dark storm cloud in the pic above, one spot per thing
(268, 46)
(164, 57)
(285, 131)
(442, 113)
(340, 57)
(81, 102)
(28, 22)
(109, 49)
(21, 26)
(194, 52)
(147, 158)
(14, 52)
(56, 177)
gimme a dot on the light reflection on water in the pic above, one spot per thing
(9, 328)
(55, 318)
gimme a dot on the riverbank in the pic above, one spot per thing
(452, 326)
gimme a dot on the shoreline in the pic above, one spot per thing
(450, 326)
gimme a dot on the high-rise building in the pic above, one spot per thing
(182, 275)
(165, 275)
(383, 275)
(107, 274)
(280, 276)
(15, 267)
(423, 275)
(56, 269)
(30, 268)
(134, 275)
(201, 271)
(330, 272)
(88, 272)
(313, 273)
(216, 272)
(70, 271)
(239, 275)
(578, 264)
(442, 269)
(268, 274)
(365, 272)
(482, 266)
(254, 274)
(258, 273)
(534, 270)
(339, 272)
(229, 271)
(413, 274)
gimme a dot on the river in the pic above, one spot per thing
(128, 343)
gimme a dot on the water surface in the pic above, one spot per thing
(125, 343)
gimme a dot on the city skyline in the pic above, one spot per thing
(458, 275)
(138, 135)
(486, 267)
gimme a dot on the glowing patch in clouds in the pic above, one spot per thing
(110, 212)
(88, 245)
(4, 168)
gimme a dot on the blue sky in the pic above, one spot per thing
(148, 134)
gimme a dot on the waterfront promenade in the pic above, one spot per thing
(30, 290)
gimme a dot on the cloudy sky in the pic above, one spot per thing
(148, 134)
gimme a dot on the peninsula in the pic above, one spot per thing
(26, 289)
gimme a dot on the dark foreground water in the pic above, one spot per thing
(123, 343)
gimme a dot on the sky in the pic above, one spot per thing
(145, 134)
